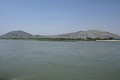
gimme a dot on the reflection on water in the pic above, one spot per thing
(42, 60)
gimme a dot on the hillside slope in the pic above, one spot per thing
(17, 34)
(89, 33)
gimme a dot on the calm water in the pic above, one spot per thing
(42, 60)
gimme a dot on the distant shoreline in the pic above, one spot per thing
(108, 40)
(60, 39)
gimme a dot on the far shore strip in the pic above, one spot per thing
(109, 40)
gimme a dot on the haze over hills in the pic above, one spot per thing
(80, 34)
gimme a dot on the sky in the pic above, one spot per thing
(49, 17)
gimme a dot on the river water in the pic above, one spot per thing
(50, 60)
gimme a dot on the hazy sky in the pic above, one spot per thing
(59, 16)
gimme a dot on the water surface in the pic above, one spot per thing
(45, 60)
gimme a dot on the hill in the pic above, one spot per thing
(20, 34)
(93, 34)
(17, 34)
(89, 34)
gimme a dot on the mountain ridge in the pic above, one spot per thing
(90, 34)
(79, 34)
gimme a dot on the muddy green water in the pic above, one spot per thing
(44, 60)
